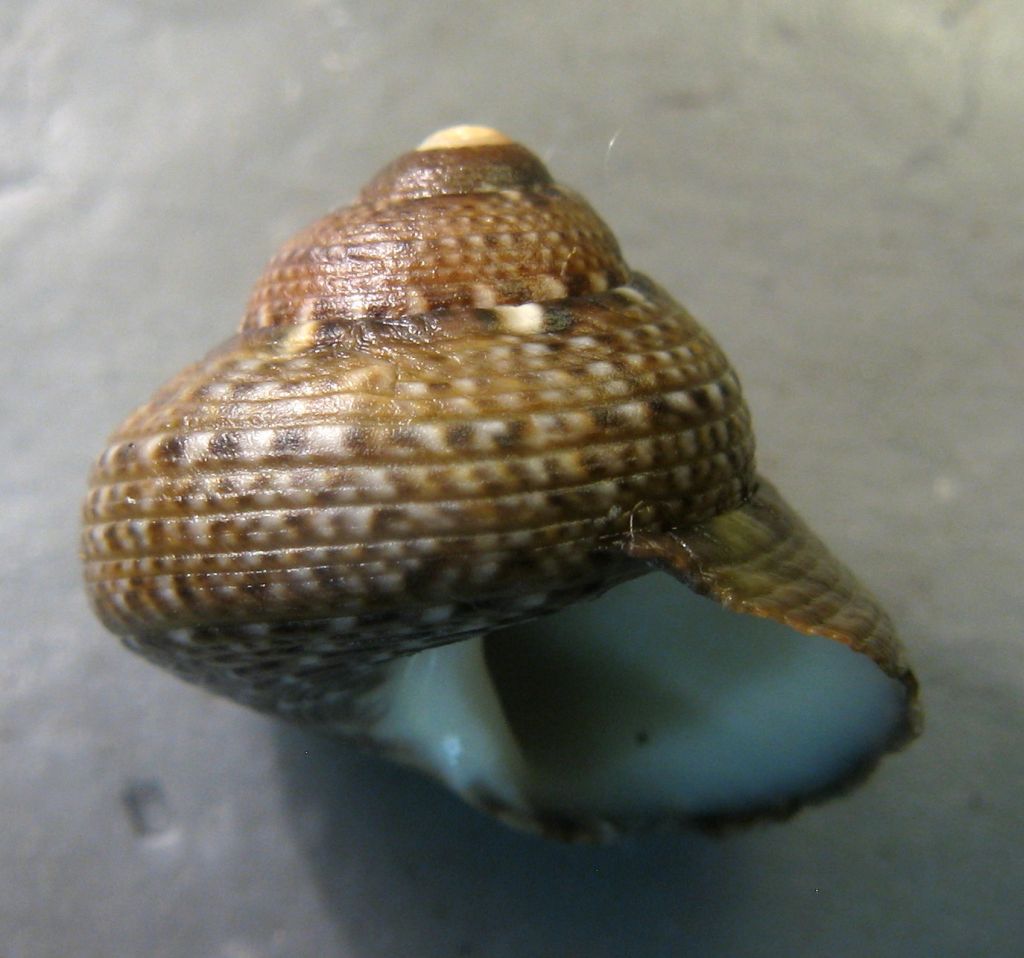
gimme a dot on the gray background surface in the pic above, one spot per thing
(836, 188)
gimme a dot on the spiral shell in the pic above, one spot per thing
(450, 408)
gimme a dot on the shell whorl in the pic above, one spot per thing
(462, 221)
(339, 467)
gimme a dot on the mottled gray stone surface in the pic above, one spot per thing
(835, 187)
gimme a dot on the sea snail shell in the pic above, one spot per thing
(452, 408)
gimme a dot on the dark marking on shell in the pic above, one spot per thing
(171, 450)
(459, 435)
(289, 442)
(224, 445)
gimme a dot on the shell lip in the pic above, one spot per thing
(762, 560)
(578, 829)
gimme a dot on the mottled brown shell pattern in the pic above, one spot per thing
(438, 229)
(443, 413)
(451, 407)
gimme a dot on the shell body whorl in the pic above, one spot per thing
(450, 407)
(395, 475)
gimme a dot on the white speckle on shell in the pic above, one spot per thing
(680, 401)
(416, 301)
(431, 435)
(524, 320)
(600, 370)
(550, 287)
(631, 293)
(484, 296)
(307, 311)
(413, 388)
(716, 399)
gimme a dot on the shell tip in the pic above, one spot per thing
(457, 137)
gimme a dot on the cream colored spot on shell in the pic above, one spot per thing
(324, 439)
(600, 369)
(598, 282)
(550, 287)
(307, 311)
(634, 412)
(300, 338)
(484, 296)
(535, 349)
(715, 396)
(216, 391)
(416, 302)
(376, 378)
(463, 135)
(616, 387)
(500, 353)
(631, 293)
(432, 436)
(522, 320)
(414, 388)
